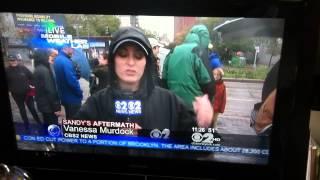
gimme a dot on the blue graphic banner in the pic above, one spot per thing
(147, 143)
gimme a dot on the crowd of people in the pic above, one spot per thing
(190, 92)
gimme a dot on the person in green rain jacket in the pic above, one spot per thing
(184, 72)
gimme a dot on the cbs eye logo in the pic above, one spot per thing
(206, 138)
(156, 133)
(196, 137)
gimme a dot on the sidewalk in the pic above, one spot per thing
(243, 80)
(241, 97)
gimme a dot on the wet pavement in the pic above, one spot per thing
(241, 97)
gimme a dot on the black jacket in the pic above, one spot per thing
(100, 78)
(46, 91)
(161, 109)
(270, 83)
(19, 78)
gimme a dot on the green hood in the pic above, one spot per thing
(192, 38)
(183, 70)
(202, 32)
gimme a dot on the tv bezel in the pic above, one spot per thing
(289, 139)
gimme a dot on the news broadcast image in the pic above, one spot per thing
(198, 88)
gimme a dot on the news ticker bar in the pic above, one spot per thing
(143, 143)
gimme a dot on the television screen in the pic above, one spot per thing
(198, 88)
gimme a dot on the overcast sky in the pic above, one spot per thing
(160, 24)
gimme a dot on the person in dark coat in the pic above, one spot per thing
(100, 75)
(20, 84)
(262, 113)
(47, 98)
(132, 95)
(156, 50)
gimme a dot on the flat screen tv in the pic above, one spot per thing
(253, 122)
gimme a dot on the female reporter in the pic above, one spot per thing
(132, 95)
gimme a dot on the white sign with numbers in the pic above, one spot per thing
(128, 107)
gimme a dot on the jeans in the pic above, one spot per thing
(21, 100)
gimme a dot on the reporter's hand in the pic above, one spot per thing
(135, 129)
(203, 110)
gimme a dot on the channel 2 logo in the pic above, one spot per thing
(156, 133)
(206, 138)
(54, 130)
